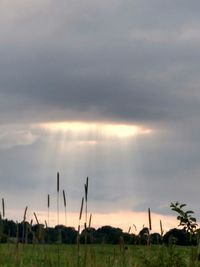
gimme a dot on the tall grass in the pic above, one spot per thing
(48, 206)
(122, 255)
(58, 190)
(36, 218)
(80, 214)
(98, 256)
(79, 224)
(24, 222)
(150, 226)
(135, 227)
(90, 221)
(149, 216)
(86, 200)
(65, 207)
(3, 208)
(161, 229)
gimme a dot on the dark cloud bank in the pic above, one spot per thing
(131, 62)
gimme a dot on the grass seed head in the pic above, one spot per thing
(149, 215)
(58, 181)
(48, 201)
(81, 210)
(25, 211)
(161, 228)
(36, 217)
(64, 198)
(90, 220)
(86, 189)
(3, 207)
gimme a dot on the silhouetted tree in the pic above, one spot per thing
(108, 234)
(143, 236)
(176, 236)
(185, 218)
(155, 238)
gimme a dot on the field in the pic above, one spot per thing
(37, 245)
(96, 256)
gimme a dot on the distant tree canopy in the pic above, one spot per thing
(185, 217)
(178, 237)
(25, 232)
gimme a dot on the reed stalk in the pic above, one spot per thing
(59, 230)
(78, 236)
(23, 229)
(3, 208)
(85, 224)
(36, 218)
(135, 227)
(81, 210)
(58, 189)
(149, 215)
(79, 224)
(161, 229)
(17, 232)
(48, 206)
(90, 220)
(89, 227)
(25, 212)
(86, 200)
(65, 207)
(150, 226)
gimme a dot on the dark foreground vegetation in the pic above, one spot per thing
(26, 245)
(26, 233)
(11, 232)
(59, 255)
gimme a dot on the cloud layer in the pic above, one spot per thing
(124, 62)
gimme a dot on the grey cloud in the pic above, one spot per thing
(127, 61)
(96, 57)
(15, 136)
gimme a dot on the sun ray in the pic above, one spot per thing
(104, 129)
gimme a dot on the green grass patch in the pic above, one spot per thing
(97, 256)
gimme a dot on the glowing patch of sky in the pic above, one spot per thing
(121, 219)
(105, 129)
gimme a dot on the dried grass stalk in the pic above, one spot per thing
(36, 217)
(3, 207)
(58, 189)
(90, 220)
(65, 205)
(81, 210)
(64, 198)
(58, 181)
(48, 201)
(135, 227)
(86, 199)
(48, 206)
(149, 215)
(25, 211)
(161, 228)
(86, 189)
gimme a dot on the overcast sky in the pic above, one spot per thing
(102, 63)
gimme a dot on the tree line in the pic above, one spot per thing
(24, 232)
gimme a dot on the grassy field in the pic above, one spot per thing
(96, 256)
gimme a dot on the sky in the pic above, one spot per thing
(104, 89)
